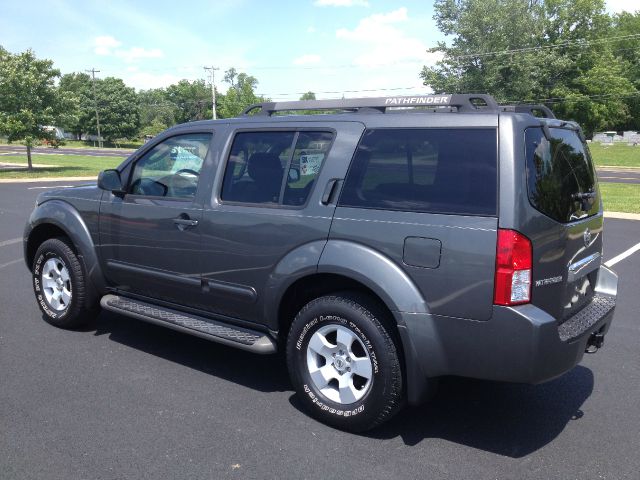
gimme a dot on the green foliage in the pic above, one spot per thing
(156, 110)
(118, 109)
(563, 57)
(192, 100)
(154, 128)
(28, 99)
(117, 106)
(240, 95)
(77, 87)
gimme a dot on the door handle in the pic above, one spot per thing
(328, 191)
(183, 222)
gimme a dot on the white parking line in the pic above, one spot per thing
(623, 255)
(50, 187)
(10, 242)
(11, 263)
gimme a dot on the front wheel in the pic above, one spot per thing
(59, 283)
(344, 363)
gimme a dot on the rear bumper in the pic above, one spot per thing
(518, 344)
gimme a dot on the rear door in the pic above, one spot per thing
(565, 220)
(267, 202)
(426, 199)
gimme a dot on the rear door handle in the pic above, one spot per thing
(183, 222)
(328, 191)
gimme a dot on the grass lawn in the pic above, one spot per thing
(63, 165)
(621, 197)
(131, 144)
(620, 155)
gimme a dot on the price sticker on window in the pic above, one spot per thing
(310, 164)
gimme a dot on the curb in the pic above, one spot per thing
(45, 179)
(622, 215)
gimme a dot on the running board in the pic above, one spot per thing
(215, 331)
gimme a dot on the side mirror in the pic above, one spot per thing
(110, 180)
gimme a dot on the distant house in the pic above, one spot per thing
(58, 132)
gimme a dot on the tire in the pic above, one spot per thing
(343, 362)
(59, 283)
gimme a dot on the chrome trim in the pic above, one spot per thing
(584, 266)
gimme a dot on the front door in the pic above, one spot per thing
(150, 236)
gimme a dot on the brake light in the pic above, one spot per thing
(513, 269)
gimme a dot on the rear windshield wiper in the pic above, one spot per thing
(583, 196)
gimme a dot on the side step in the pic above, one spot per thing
(238, 337)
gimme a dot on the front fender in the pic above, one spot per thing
(64, 216)
(423, 355)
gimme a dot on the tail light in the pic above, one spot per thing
(513, 269)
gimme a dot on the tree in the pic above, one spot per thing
(552, 51)
(156, 111)
(624, 25)
(80, 117)
(118, 109)
(240, 95)
(308, 96)
(28, 100)
(192, 100)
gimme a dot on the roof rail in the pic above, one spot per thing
(530, 109)
(463, 102)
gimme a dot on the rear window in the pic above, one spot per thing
(435, 170)
(560, 175)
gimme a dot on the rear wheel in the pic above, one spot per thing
(59, 283)
(344, 363)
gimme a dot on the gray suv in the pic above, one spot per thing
(382, 244)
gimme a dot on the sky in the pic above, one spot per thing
(331, 47)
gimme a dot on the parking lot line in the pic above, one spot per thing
(623, 255)
(10, 242)
(12, 262)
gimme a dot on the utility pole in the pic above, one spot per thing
(93, 72)
(213, 89)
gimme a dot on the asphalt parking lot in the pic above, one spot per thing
(126, 399)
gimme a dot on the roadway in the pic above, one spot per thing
(126, 399)
(92, 152)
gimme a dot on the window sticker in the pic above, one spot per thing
(185, 157)
(310, 164)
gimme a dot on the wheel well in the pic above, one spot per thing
(306, 289)
(41, 233)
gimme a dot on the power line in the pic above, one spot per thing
(571, 43)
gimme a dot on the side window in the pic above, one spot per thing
(171, 168)
(424, 170)
(274, 167)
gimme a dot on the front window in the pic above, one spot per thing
(171, 168)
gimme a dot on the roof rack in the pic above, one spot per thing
(462, 102)
(530, 109)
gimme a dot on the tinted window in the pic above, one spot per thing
(274, 167)
(424, 170)
(171, 168)
(560, 175)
